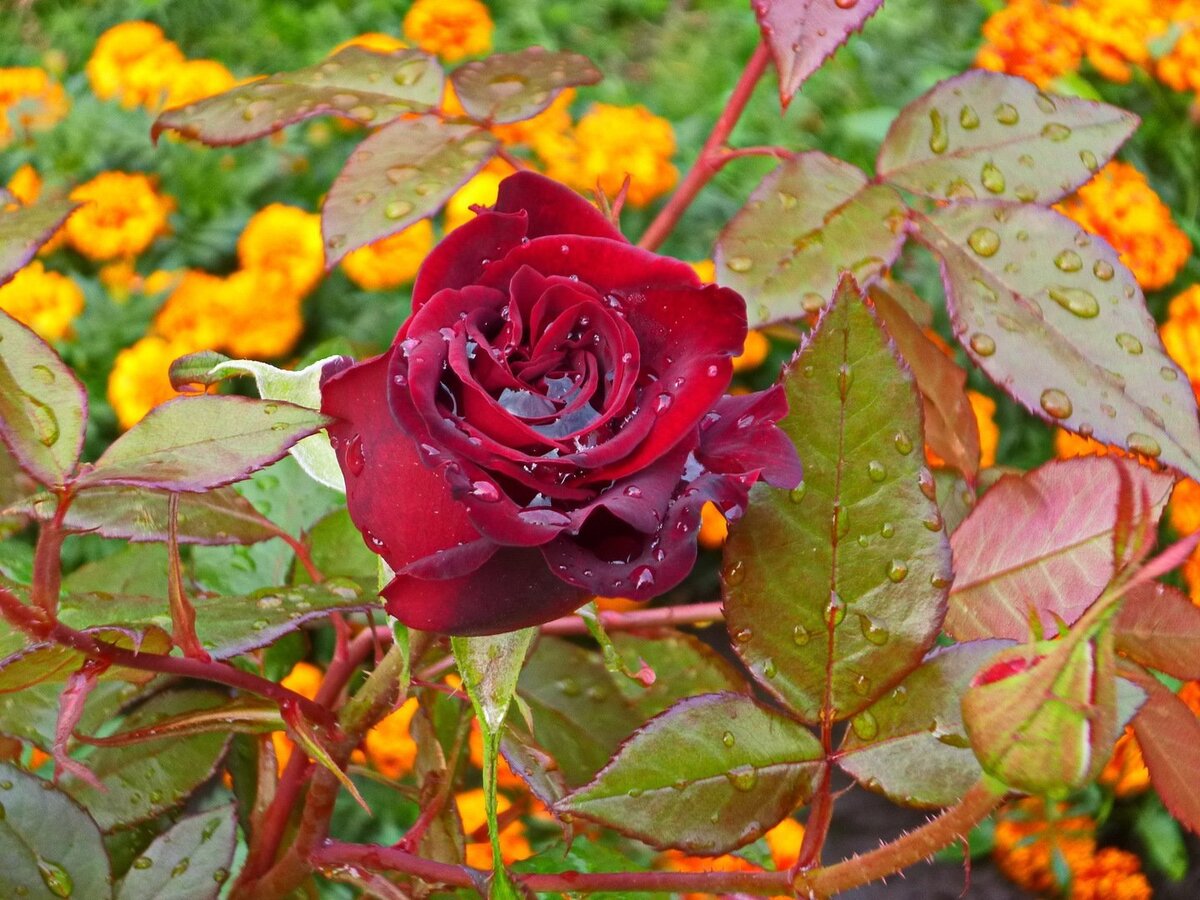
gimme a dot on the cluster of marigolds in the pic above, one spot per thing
(256, 309)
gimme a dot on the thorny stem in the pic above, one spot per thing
(712, 154)
(640, 618)
(183, 614)
(47, 557)
(411, 841)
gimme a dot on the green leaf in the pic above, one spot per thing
(144, 780)
(49, 847)
(1055, 319)
(1041, 542)
(950, 426)
(509, 87)
(983, 135)
(134, 569)
(719, 753)
(197, 443)
(32, 713)
(809, 221)
(219, 516)
(24, 229)
(1158, 626)
(490, 667)
(834, 591)
(911, 745)
(302, 387)
(189, 862)
(337, 550)
(43, 407)
(683, 666)
(357, 84)
(1042, 718)
(1161, 840)
(402, 173)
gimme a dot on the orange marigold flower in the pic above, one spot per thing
(120, 47)
(197, 79)
(45, 301)
(264, 316)
(389, 745)
(479, 191)
(984, 408)
(1030, 38)
(555, 119)
(505, 777)
(451, 29)
(705, 269)
(138, 381)
(754, 352)
(1184, 509)
(284, 242)
(305, 680)
(375, 41)
(1180, 333)
(784, 842)
(618, 604)
(1190, 695)
(1180, 67)
(122, 214)
(1126, 771)
(713, 527)
(678, 861)
(25, 185)
(30, 100)
(1120, 206)
(1115, 34)
(513, 844)
(194, 315)
(390, 261)
(607, 144)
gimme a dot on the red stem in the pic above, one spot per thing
(47, 557)
(35, 623)
(183, 614)
(640, 618)
(710, 158)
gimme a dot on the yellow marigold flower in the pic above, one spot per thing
(1180, 67)
(284, 241)
(264, 316)
(45, 301)
(25, 185)
(618, 604)
(984, 408)
(1181, 332)
(1032, 39)
(754, 352)
(555, 119)
(390, 261)
(30, 100)
(607, 144)
(678, 861)
(713, 527)
(375, 41)
(705, 269)
(133, 62)
(1126, 771)
(784, 842)
(1115, 34)
(1184, 508)
(479, 191)
(513, 845)
(196, 314)
(122, 214)
(1120, 206)
(196, 79)
(138, 381)
(305, 680)
(389, 745)
(450, 28)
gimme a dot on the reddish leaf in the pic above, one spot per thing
(802, 34)
(950, 426)
(983, 134)
(402, 173)
(1040, 543)
(811, 219)
(1159, 627)
(24, 229)
(43, 407)
(358, 84)
(71, 701)
(197, 443)
(1169, 735)
(1059, 323)
(509, 87)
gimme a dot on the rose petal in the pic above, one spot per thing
(552, 207)
(461, 256)
(513, 589)
(403, 509)
(739, 437)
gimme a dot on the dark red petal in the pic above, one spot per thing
(739, 437)
(605, 264)
(552, 207)
(403, 509)
(643, 499)
(513, 589)
(461, 256)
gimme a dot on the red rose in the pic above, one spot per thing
(549, 421)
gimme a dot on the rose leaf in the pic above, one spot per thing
(856, 557)
(509, 87)
(190, 861)
(987, 135)
(24, 229)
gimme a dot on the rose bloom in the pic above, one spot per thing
(549, 421)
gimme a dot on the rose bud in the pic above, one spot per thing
(549, 421)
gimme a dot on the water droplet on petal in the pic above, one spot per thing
(1103, 270)
(983, 344)
(1076, 301)
(1069, 261)
(1129, 343)
(984, 241)
(1056, 403)
(356, 458)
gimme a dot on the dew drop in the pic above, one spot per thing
(861, 684)
(735, 573)
(397, 209)
(1056, 403)
(1129, 343)
(1006, 114)
(1143, 444)
(1046, 103)
(845, 4)
(1088, 158)
(933, 523)
(983, 344)
(897, 571)
(180, 867)
(903, 442)
(743, 778)
(992, 178)
(728, 739)
(743, 635)
(939, 140)
(643, 577)
(1076, 301)
(835, 611)
(143, 862)
(865, 726)
(485, 491)
(740, 264)
(1069, 261)
(1103, 270)
(876, 470)
(55, 877)
(1169, 373)
(984, 241)
(968, 118)
(356, 459)
(845, 379)
(801, 635)
(397, 174)
(926, 483)
(874, 633)
(1056, 131)
(769, 669)
(887, 530)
